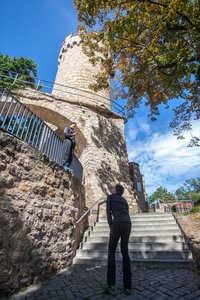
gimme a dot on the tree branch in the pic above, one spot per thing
(156, 3)
(176, 27)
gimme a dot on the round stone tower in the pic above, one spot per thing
(103, 155)
(75, 74)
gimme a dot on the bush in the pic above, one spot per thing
(195, 209)
(196, 203)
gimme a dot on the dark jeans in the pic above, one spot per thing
(68, 152)
(119, 230)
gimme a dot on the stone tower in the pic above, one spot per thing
(75, 74)
(104, 155)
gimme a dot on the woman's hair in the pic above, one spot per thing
(119, 189)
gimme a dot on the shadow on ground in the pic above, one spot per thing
(87, 282)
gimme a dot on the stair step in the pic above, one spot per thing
(139, 232)
(139, 246)
(139, 227)
(137, 215)
(167, 263)
(139, 239)
(169, 254)
(152, 217)
(142, 222)
(171, 217)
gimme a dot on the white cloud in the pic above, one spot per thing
(136, 128)
(164, 160)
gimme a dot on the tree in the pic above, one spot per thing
(151, 48)
(190, 189)
(162, 193)
(24, 67)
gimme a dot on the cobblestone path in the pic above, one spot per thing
(80, 282)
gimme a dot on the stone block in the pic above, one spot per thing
(24, 186)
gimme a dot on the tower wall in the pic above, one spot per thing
(75, 74)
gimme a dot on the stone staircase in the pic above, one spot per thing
(155, 238)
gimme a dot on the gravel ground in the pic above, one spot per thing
(191, 226)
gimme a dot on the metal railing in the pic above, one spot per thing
(18, 120)
(47, 87)
(98, 202)
(182, 206)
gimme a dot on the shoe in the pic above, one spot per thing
(109, 288)
(127, 291)
(66, 168)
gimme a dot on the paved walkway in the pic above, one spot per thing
(86, 283)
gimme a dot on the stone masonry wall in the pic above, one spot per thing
(39, 203)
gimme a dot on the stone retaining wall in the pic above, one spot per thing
(39, 203)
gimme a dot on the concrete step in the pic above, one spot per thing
(150, 263)
(169, 254)
(149, 217)
(142, 222)
(141, 239)
(139, 246)
(151, 214)
(139, 232)
(139, 227)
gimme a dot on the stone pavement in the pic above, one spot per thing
(83, 282)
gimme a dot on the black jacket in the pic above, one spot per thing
(69, 134)
(117, 209)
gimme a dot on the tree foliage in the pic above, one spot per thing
(24, 67)
(162, 193)
(151, 48)
(190, 189)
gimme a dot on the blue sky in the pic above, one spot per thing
(36, 29)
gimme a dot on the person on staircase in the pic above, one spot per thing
(69, 145)
(120, 227)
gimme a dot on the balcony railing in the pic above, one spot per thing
(48, 86)
(21, 122)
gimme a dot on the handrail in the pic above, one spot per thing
(49, 85)
(17, 119)
(89, 209)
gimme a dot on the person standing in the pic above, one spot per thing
(120, 227)
(69, 145)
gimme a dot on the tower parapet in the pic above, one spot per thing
(75, 74)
